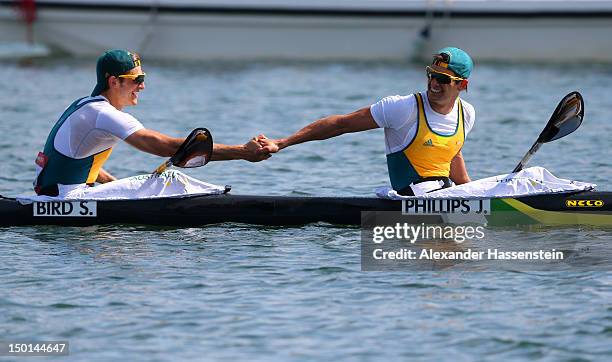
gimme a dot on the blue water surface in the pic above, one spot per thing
(228, 292)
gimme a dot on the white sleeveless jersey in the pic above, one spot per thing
(94, 128)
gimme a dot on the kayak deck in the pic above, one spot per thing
(584, 208)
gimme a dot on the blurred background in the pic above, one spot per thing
(245, 67)
(506, 30)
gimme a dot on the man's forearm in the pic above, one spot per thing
(166, 147)
(458, 171)
(332, 126)
(322, 129)
(224, 152)
(154, 142)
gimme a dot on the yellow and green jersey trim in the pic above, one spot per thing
(429, 154)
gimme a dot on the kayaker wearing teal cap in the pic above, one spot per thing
(424, 132)
(83, 137)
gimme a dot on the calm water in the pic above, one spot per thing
(235, 291)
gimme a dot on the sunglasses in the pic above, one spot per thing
(440, 77)
(136, 78)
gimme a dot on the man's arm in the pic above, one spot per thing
(458, 172)
(331, 126)
(154, 142)
(250, 151)
(104, 177)
(161, 145)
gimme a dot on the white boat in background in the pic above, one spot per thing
(23, 50)
(505, 30)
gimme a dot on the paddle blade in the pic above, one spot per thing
(566, 118)
(196, 151)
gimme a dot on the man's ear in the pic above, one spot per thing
(463, 85)
(112, 81)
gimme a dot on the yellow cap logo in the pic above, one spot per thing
(135, 58)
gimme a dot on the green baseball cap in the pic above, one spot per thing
(456, 60)
(113, 62)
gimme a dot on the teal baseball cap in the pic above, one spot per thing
(456, 60)
(113, 62)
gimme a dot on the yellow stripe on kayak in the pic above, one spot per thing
(558, 217)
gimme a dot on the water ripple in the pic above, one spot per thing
(235, 292)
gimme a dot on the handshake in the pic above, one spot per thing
(260, 148)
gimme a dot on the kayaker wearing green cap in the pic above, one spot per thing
(83, 137)
(424, 132)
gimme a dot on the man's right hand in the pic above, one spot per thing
(259, 148)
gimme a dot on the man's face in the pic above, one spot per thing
(443, 93)
(127, 89)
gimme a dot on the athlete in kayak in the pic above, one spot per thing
(83, 137)
(424, 132)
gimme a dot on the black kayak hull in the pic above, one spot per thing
(585, 208)
(204, 210)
